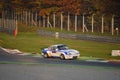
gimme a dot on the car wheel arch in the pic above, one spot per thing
(62, 56)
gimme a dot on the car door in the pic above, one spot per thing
(55, 52)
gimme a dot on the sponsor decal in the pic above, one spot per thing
(115, 53)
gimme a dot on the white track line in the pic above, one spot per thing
(102, 61)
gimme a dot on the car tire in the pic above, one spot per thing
(46, 55)
(62, 57)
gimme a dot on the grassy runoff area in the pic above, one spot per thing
(31, 42)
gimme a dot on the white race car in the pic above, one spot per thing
(61, 51)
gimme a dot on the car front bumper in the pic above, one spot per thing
(72, 56)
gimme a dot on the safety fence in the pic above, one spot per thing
(65, 21)
(62, 21)
(8, 26)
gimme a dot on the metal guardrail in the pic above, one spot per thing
(80, 36)
(7, 30)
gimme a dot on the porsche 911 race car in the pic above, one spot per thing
(61, 51)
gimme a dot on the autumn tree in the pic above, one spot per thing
(50, 6)
(71, 6)
(47, 7)
(1, 4)
(107, 6)
(87, 7)
(31, 4)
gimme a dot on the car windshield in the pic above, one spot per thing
(63, 47)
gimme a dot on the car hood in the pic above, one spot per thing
(70, 51)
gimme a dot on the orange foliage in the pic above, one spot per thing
(71, 6)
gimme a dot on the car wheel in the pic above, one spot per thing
(46, 55)
(62, 57)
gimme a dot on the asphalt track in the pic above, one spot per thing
(7, 57)
(27, 67)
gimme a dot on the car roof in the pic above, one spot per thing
(59, 45)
